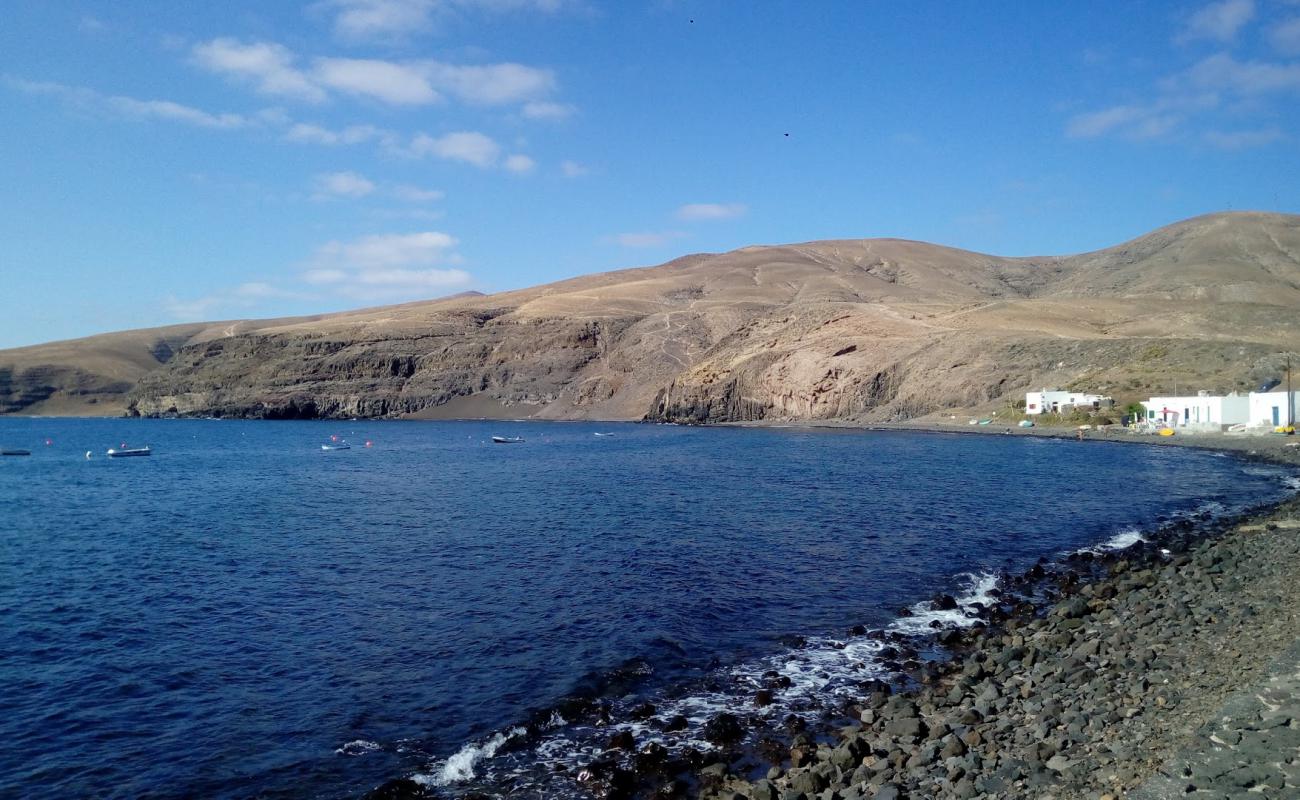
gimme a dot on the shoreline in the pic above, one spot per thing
(992, 720)
(994, 710)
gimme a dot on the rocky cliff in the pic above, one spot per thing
(856, 329)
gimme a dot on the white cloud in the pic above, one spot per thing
(541, 109)
(239, 299)
(572, 169)
(646, 239)
(1131, 121)
(471, 147)
(365, 20)
(1285, 37)
(1242, 140)
(397, 84)
(1222, 72)
(414, 194)
(386, 20)
(334, 185)
(353, 134)
(386, 251)
(520, 164)
(1217, 83)
(1219, 21)
(272, 69)
(92, 101)
(267, 65)
(694, 212)
(491, 84)
(387, 266)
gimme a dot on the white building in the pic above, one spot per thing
(1054, 401)
(1202, 411)
(1269, 408)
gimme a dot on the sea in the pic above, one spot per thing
(244, 614)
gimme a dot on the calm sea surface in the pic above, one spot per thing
(242, 614)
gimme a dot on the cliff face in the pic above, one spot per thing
(865, 329)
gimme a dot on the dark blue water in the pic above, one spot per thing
(243, 614)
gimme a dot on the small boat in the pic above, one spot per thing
(127, 452)
(15, 452)
(602, 434)
(338, 446)
(508, 440)
(1025, 423)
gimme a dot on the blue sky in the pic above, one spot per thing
(167, 162)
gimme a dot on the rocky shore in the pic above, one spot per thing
(1093, 694)
(1170, 668)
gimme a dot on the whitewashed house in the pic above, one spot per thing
(1055, 401)
(1269, 408)
(1204, 411)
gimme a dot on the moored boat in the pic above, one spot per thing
(338, 446)
(128, 452)
(508, 439)
(15, 452)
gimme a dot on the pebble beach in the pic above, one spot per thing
(1168, 669)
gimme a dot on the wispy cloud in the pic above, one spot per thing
(645, 239)
(415, 194)
(389, 20)
(268, 66)
(387, 266)
(1219, 22)
(1216, 84)
(353, 134)
(1129, 121)
(92, 101)
(1244, 140)
(695, 212)
(239, 299)
(540, 109)
(572, 169)
(519, 164)
(1285, 37)
(491, 84)
(368, 20)
(470, 147)
(336, 185)
(390, 82)
(273, 69)
(1223, 73)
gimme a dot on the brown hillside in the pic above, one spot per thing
(864, 329)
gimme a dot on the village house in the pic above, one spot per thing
(1215, 412)
(1056, 401)
(1205, 410)
(1269, 408)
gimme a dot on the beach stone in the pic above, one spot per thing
(889, 791)
(909, 728)
(723, 729)
(808, 782)
(399, 789)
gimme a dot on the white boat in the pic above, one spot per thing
(127, 452)
(339, 446)
(508, 439)
(602, 434)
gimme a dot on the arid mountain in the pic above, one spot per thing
(871, 329)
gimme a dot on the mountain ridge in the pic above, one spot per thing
(869, 329)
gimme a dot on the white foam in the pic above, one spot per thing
(357, 747)
(1120, 541)
(460, 766)
(964, 615)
